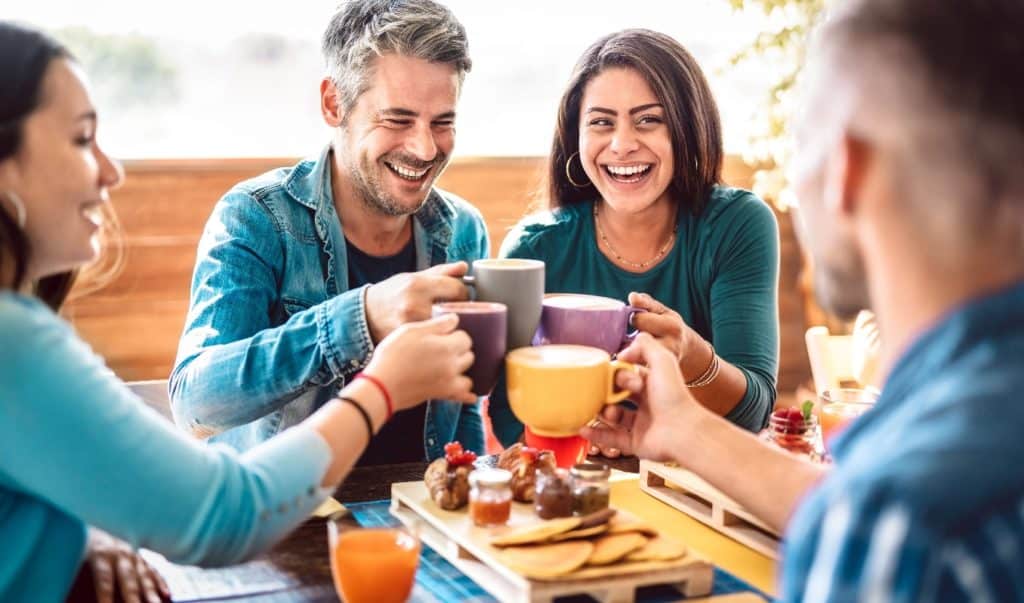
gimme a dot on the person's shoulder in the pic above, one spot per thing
(22, 315)
(460, 210)
(945, 453)
(729, 206)
(545, 227)
(30, 332)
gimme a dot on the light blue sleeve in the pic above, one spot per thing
(74, 436)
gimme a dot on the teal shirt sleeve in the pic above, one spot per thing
(75, 438)
(743, 303)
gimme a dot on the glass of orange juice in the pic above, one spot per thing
(839, 407)
(372, 565)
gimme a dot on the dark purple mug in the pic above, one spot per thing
(487, 325)
(592, 320)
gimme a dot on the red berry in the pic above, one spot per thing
(463, 458)
(789, 421)
(452, 448)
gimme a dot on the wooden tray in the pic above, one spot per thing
(453, 535)
(690, 494)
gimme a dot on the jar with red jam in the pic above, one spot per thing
(490, 496)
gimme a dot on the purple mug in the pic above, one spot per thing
(487, 325)
(592, 320)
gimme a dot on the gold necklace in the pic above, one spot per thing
(619, 258)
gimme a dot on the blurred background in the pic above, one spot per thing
(195, 96)
(227, 79)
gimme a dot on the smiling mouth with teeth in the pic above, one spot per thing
(407, 174)
(628, 174)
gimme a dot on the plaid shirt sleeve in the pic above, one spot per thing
(863, 548)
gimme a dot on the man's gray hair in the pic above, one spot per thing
(941, 80)
(362, 30)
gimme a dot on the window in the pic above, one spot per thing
(209, 79)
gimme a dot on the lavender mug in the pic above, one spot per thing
(591, 320)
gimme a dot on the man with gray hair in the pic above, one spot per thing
(912, 197)
(302, 270)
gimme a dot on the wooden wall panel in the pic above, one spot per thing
(135, 321)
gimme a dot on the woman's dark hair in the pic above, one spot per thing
(26, 55)
(690, 114)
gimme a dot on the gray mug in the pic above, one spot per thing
(517, 283)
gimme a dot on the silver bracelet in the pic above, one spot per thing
(710, 374)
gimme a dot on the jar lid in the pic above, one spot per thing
(590, 471)
(490, 477)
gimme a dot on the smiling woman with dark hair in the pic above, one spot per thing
(637, 209)
(77, 448)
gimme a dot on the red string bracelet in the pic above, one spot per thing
(383, 391)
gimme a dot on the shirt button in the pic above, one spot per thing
(311, 491)
(282, 508)
(265, 515)
(430, 441)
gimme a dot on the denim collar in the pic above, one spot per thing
(310, 184)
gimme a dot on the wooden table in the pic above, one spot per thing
(303, 554)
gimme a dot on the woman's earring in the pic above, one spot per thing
(568, 171)
(19, 207)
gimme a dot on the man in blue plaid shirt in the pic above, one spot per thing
(912, 200)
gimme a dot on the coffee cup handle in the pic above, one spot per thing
(629, 337)
(615, 396)
(470, 281)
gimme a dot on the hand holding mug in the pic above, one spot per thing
(408, 297)
(665, 325)
(664, 405)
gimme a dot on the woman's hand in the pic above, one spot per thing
(664, 324)
(423, 360)
(118, 572)
(664, 404)
(669, 329)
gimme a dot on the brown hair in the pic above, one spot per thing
(690, 114)
(27, 55)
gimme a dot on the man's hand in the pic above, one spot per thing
(407, 297)
(653, 430)
(119, 573)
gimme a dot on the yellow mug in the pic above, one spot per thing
(557, 389)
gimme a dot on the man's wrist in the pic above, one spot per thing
(683, 443)
(373, 336)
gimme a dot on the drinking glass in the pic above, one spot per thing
(372, 565)
(839, 407)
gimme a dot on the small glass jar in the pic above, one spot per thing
(553, 494)
(490, 496)
(590, 490)
(803, 440)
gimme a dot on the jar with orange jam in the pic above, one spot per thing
(490, 496)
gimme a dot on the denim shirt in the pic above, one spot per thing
(926, 498)
(272, 330)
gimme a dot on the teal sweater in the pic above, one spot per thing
(77, 448)
(721, 276)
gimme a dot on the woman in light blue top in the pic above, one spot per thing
(77, 449)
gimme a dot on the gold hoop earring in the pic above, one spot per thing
(568, 172)
(19, 207)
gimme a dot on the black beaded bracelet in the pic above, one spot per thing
(366, 416)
